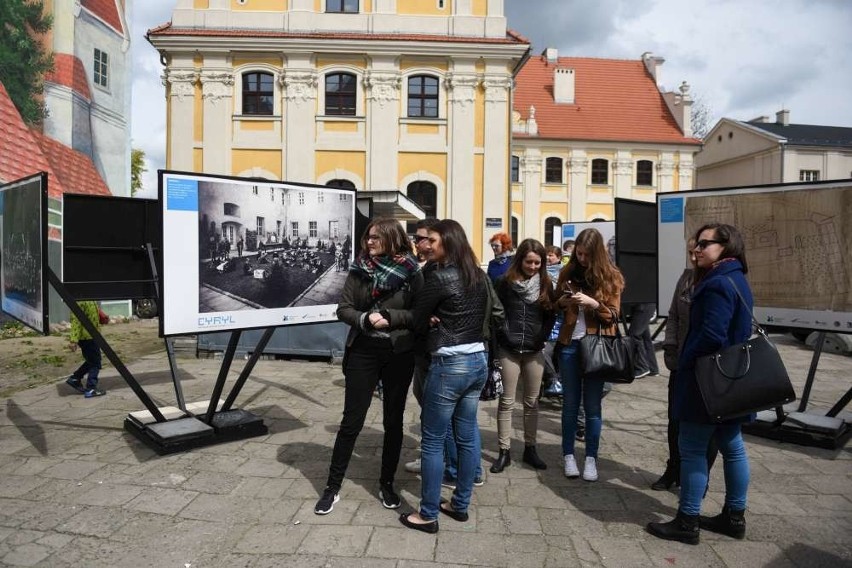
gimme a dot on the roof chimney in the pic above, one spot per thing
(551, 54)
(652, 62)
(762, 119)
(782, 117)
(563, 85)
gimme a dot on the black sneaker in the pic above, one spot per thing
(92, 393)
(448, 483)
(478, 481)
(390, 500)
(75, 384)
(580, 436)
(325, 505)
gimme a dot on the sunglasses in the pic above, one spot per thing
(418, 238)
(704, 243)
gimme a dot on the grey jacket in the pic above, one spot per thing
(677, 325)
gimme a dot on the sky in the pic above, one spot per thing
(742, 58)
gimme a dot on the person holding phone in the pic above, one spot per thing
(589, 289)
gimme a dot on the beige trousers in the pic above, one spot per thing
(526, 369)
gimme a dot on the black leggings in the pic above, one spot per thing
(367, 361)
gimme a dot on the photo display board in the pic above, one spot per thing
(636, 249)
(23, 251)
(245, 253)
(606, 229)
(797, 240)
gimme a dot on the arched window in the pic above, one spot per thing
(423, 96)
(258, 93)
(644, 172)
(340, 184)
(553, 170)
(600, 171)
(552, 225)
(516, 169)
(425, 195)
(513, 230)
(340, 94)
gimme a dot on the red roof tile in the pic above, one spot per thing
(615, 100)
(20, 155)
(167, 30)
(74, 169)
(68, 70)
(106, 10)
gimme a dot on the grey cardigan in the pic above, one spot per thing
(677, 325)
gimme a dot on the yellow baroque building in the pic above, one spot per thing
(408, 95)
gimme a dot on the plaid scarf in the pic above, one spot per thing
(388, 273)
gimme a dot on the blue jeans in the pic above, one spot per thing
(450, 395)
(451, 455)
(693, 441)
(91, 364)
(575, 389)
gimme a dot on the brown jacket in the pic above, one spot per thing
(604, 317)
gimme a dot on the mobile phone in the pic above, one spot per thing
(568, 288)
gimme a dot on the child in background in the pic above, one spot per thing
(91, 352)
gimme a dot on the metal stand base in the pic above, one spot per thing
(801, 428)
(184, 432)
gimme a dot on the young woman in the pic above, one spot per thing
(589, 290)
(719, 316)
(454, 301)
(501, 246)
(376, 302)
(527, 297)
(677, 327)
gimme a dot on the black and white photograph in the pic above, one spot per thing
(268, 246)
(21, 242)
(265, 253)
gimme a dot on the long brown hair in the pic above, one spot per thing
(457, 251)
(393, 237)
(516, 272)
(602, 276)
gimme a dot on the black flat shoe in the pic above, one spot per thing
(455, 515)
(430, 527)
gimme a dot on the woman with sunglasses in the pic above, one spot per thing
(501, 246)
(454, 300)
(527, 297)
(677, 326)
(589, 290)
(376, 302)
(719, 316)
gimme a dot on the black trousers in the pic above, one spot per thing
(640, 331)
(367, 361)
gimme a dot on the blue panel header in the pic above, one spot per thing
(568, 231)
(182, 194)
(671, 210)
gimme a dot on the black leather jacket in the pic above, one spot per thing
(526, 326)
(461, 311)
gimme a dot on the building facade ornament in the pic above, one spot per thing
(497, 88)
(578, 165)
(382, 87)
(621, 167)
(216, 85)
(300, 85)
(666, 168)
(180, 82)
(531, 164)
(462, 89)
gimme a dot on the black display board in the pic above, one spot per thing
(636, 249)
(105, 254)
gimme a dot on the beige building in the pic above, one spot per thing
(586, 131)
(411, 95)
(758, 151)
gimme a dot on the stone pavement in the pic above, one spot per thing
(76, 490)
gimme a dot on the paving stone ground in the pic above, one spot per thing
(77, 490)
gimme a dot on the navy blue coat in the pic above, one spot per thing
(717, 319)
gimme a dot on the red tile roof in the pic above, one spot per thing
(106, 10)
(20, 155)
(614, 100)
(167, 30)
(74, 169)
(68, 70)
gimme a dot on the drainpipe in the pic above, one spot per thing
(783, 147)
(515, 72)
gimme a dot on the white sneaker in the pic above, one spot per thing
(571, 466)
(413, 467)
(590, 470)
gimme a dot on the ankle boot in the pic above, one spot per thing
(670, 477)
(728, 522)
(502, 461)
(683, 528)
(531, 458)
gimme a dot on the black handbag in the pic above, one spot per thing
(608, 357)
(743, 378)
(493, 387)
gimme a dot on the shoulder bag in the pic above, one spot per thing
(493, 387)
(607, 357)
(743, 378)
